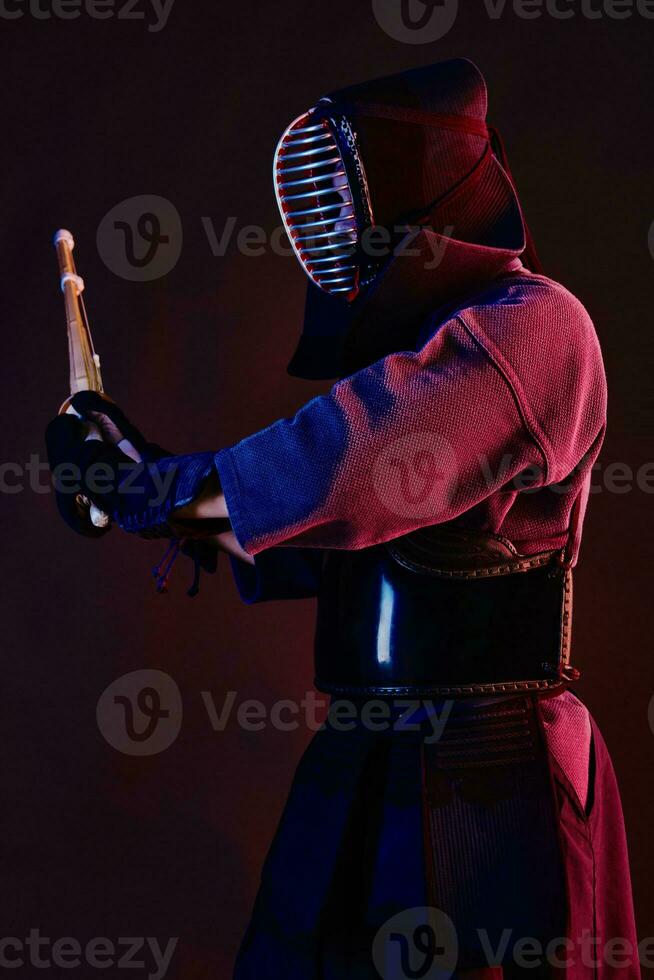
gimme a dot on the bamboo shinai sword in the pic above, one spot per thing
(83, 361)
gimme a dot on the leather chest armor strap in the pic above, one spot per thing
(444, 612)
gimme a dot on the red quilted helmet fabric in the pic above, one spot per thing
(410, 165)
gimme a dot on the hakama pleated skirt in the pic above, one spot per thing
(439, 839)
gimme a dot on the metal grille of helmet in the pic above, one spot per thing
(316, 204)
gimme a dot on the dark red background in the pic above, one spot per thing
(93, 843)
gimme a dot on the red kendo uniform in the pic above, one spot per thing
(472, 397)
(433, 501)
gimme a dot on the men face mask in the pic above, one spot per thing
(324, 200)
(395, 155)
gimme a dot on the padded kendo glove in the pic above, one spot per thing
(138, 496)
(114, 424)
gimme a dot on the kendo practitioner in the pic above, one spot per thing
(433, 501)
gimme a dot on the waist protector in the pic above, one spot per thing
(444, 612)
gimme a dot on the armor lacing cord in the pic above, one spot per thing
(162, 571)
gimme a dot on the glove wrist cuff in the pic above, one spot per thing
(165, 486)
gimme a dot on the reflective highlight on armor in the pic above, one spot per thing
(385, 623)
(323, 199)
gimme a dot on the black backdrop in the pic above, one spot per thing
(98, 843)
